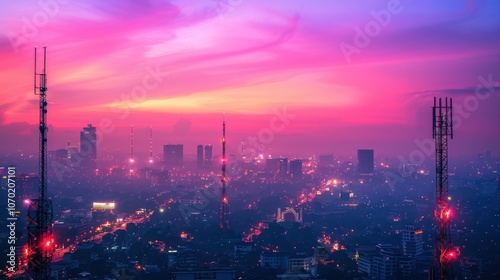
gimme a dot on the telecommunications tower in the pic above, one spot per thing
(444, 254)
(224, 203)
(150, 144)
(40, 247)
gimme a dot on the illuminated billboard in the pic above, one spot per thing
(103, 205)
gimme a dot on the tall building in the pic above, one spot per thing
(283, 169)
(386, 262)
(88, 147)
(365, 162)
(173, 155)
(208, 156)
(272, 165)
(296, 169)
(326, 160)
(413, 244)
(199, 156)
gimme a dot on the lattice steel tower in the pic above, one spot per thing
(442, 129)
(40, 215)
(224, 203)
(150, 144)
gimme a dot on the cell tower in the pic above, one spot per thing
(150, 144)
(444, 254)
(40, 237)
(131, 160)
(224, 203)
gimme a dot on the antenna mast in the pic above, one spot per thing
(40, 237)
(150, 144)
(224, 203)
(444, 254)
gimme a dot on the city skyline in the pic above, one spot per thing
(237, 139)
(297, 73)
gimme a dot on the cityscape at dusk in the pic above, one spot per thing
(250, 139)
(248, 60)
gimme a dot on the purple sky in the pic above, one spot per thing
(351, 74)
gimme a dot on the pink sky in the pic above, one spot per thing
(249, 59)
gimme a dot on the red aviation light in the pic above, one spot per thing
(48, 243)
(445, 214)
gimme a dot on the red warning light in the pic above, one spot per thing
(48, 243)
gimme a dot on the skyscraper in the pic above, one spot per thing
(272, 165)
(413, 244)
(199, 156)
(326, 160)
(296, 169)
(365, 162)
(173, 155)
(88, 147)
(283, 167)
(208, 156)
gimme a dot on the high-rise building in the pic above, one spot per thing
(326, 160)
(365, 162)
(88, 147)
(296, 169)
(272, 165)
(208, 156)
(88, 139)
(199, 156)
(283, 171)
(413, 244)
(173, 155)
(385, 262)
(73, 155)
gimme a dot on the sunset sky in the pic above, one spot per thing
(349, 74)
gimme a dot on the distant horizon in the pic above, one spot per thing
(243, 142)
(289, 76)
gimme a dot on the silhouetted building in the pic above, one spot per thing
(88, 147)
(365, 162)
(173, 155)
(471, 268)
(296, 169)
(385, 262)
(272, 165)
(208, 156)
(413, 244)
(199, 156)
(159, 178)
(283, 171)
(325, 160)
(72, 151)
(181, 258)
(61, 154)
(274, 260)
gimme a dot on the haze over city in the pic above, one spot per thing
(249, 139)
(248, 61)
